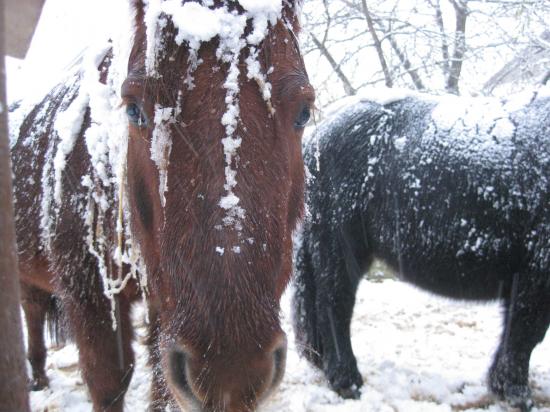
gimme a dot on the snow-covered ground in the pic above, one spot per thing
(416, 352)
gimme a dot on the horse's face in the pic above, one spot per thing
(216, 269)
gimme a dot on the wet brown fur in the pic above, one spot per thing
(221, 311)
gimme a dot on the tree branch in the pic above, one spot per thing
(335, 66)
(444, 44)
(461, 11)
(377, 45)
(405, 62)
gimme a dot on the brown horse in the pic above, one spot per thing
(210, 186)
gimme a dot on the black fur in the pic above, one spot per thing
(55, 322)
(460, 208)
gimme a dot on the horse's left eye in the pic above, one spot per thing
(136, 115)
(303, 117)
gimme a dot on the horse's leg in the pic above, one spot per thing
(106, 356)
(340, 270)
(159, 393)
(526, 320)
(35, 305)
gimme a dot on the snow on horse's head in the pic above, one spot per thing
(217, 98)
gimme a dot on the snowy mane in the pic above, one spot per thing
(240, 26)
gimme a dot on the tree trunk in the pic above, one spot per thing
(461, 11)
(377, 45)
(405, 62)
(444, 45)
(13, 377)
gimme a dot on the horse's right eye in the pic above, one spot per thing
(303, 117)
(136, 115)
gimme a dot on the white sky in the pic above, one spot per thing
(65, 28)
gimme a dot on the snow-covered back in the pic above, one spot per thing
(380, 95)
(80, 95)
(478, 115)
(491, 149)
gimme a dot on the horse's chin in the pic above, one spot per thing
(189, 404)
(184, 372)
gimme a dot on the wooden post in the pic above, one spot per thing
(20, 21)
(13, 377)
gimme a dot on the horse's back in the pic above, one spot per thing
(36, 153)
(446, 198)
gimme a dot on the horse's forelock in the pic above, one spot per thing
(172, 51)
(292, 6)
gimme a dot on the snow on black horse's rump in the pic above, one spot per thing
(454, 195)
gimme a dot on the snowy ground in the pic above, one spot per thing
(417, 352)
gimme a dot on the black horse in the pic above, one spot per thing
(453, 194)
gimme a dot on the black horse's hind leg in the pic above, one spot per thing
(337, 283)
(35, 304)
(526, 320)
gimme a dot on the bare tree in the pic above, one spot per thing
(531, 62)
(377, 44)
(335, 66)
(435, 45)
(455, 67)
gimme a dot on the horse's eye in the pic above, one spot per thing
(303, 117)
(136, 115)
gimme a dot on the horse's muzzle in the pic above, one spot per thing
(229, 383)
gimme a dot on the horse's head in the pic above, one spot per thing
(217, 98)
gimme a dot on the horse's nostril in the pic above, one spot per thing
(178, 372)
